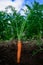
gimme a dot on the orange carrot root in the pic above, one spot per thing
(19, 46)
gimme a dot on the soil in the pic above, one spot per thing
(8, 51)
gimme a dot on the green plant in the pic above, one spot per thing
(34, 20)
(5, 28)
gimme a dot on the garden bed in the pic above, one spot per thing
(29, 56)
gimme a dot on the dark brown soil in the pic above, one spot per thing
(8, 54)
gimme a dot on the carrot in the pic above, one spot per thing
(19, 46)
